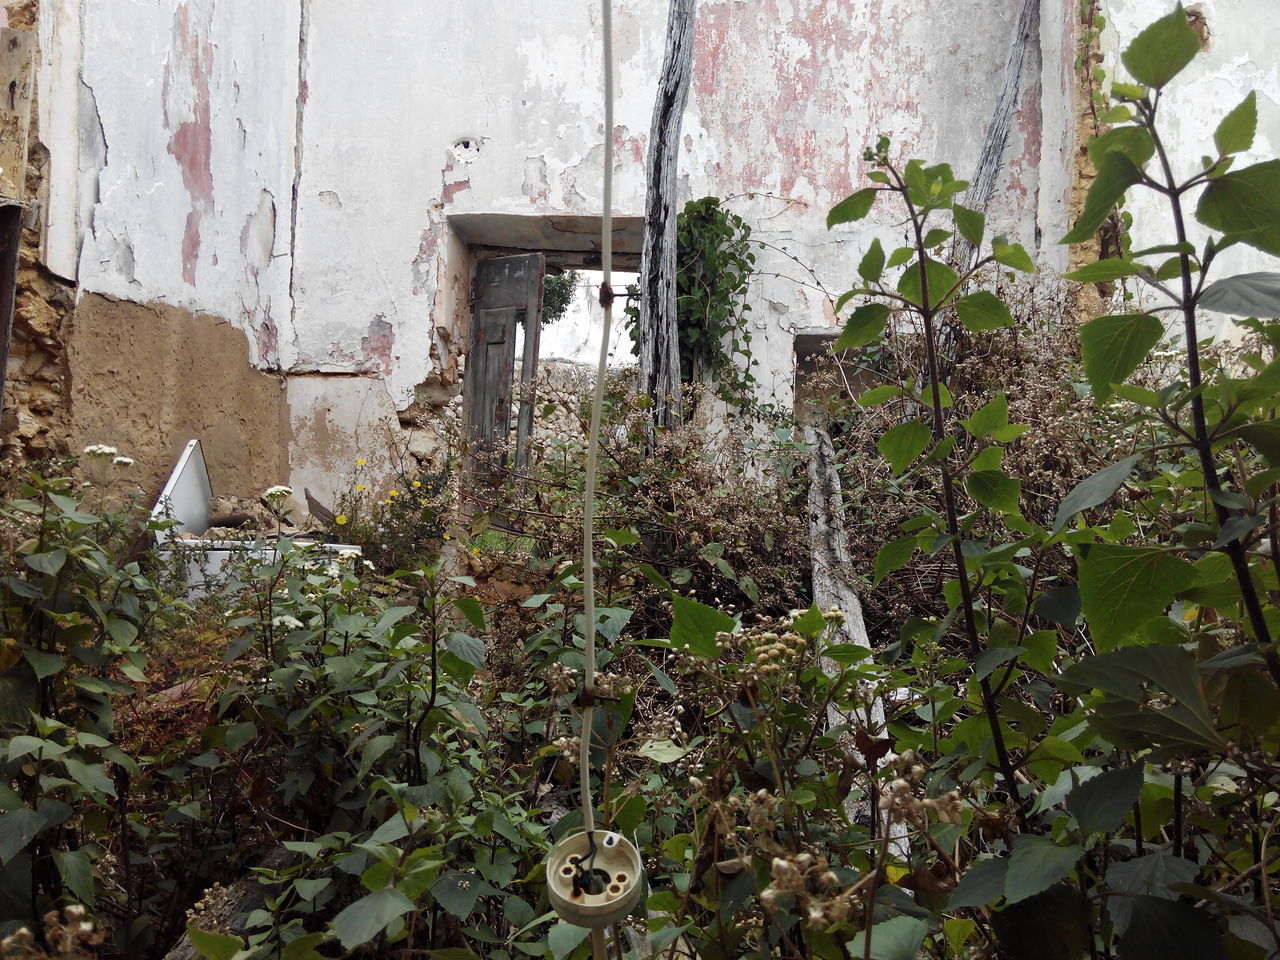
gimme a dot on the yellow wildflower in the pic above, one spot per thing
(393, 493)
(417, 483)
(361, 488)
(340, 519)
(361, 463)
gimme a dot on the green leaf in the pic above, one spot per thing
(1123, 587)
(17, 829)
(1159, 53)
(1134, 142)
(1101, 803)
(992, 658)
(43, 663)
(308, 890)
(1114, 346)
(1161, 929)
(1060, 605)
(49, 562)
(1013, 255)
(466, 648)
(303, 948)
(893, 555)
(989, 418)
(1053, 925)
(457, 893)
(878, 395)
(1245, 204)
(1094, 490)
(363, 920)
(897, 939)
(662, 751)
(1235, 132)
(993, 489)
(981, 885)
(239, 734)
(1148, 875)
(1104, 271)
(983, 311)
(903, 443)
(1263, 437)
(76, 872)
(864, 326)
(935, 237)
(694, 626)
(871, 266)
(853, 207)
(92, 776)
(900, 256)
(471, 609)
(1035, 865)
(563, 938)
(1245, 295)
(1116, 174)
(942, 281)
(970, 223)
(214, 946)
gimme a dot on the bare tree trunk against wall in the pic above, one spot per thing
(1026, 32)
(658, 335)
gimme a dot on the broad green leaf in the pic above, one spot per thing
(466, 648)
(1245, 295)
(17, 829)
(853, 207)
(900, 256)
(983, 311)
(872, 264)
(988, 660)
(49, 562)
(694, 626)
(1013, 255)
(1159, 52)
(1094, 490)
(989, 418)
(1114, 346)
(878, 395)
(1101, 803)
(1265, 438)
(1148, 875)
(303, 948)
(970, 223)
(563, 938)
(214, 946)
(76, 872)
(662, 751)
(936, 237)
(457, 893)
(471, 609)
(44, 664)
(1035, 865)
(1104, 271)
(942, 280)
(1116, 174)
(1053, 925)
(864, 326)
(981, 885)
(894, 554)
(238, 734)
(993, 489)
(903, 443)
(1236, 131)
(1161, 929)
(1123, 587)
(1134, 142)
(363, 920)
(1245, 204)
(308, 890)
(897, 939)
(1060, 605)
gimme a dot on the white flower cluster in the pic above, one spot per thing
(286, 622)
(100, 450)
(277, 494)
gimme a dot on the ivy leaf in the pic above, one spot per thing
(1160, 52)
(1123, 587)
(989, 418)
(993, 489)
(903, 443)
(893, 555)
(1035, 865)
(970, 223)
(1116, 174)
(363, 920)
(1012, 255)
(1235, 132)
(853, 207)
(983, 311)
(1245, 295)
(1245, 204)
(1094, 490)
(1104, 271)
(1101, 803)
(1114, 346)
(865, 325)
(872, 265)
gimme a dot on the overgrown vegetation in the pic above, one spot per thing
(1059, 743)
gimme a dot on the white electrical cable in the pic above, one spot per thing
(589, 498)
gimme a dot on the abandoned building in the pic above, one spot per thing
(261, 223)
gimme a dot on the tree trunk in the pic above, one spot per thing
(659, 345)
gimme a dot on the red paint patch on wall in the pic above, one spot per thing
(378, 346)
(188, 68)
